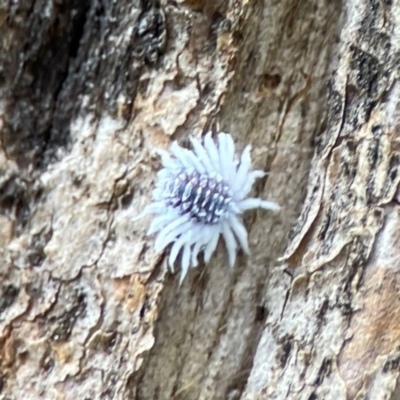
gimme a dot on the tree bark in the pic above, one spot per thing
(88, 90)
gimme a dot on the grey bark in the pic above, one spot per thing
(88, 90)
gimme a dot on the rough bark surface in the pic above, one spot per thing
(336, 334)
(88, 90)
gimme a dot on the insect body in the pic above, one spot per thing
(199, 196)
(206, 198)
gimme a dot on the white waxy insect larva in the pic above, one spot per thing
(195, 252)
(185, 262)
(169, 235)
(176, 248)
(212, 245)
(158, 223)
(230, 242)
(191, 161)
(202, 155)
(223, 153)
(212, 151)
(181, 155)
(199, 196)
(229, 158)
(250, 203)
(242, 170)
(251, 178)
(240, 232)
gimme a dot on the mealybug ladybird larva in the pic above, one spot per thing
(199, 196)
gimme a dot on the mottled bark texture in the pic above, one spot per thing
(88, 90)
